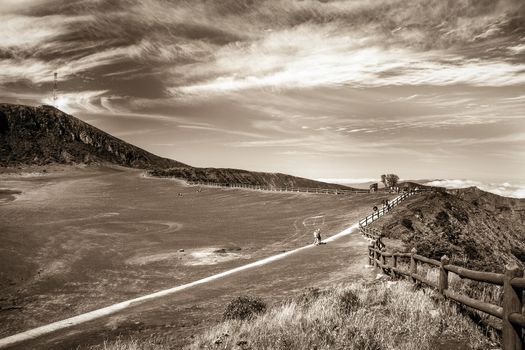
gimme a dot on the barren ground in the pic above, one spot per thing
(77, 239)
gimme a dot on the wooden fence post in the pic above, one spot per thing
(394, 265)
(383, 258)
(443, 275)
(376, 254)
(413, 263)
(512, 337)
(370, 255)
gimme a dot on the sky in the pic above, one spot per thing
(426, 89)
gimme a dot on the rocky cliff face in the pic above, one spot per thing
(43, 135)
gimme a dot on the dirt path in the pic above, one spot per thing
(182, 311)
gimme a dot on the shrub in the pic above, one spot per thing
(365, 339)
(309, 296)
(418, 213)
(407, 223)
(435, 249)
(244, 308)
(442, 218)
(471, 249)
(460, 215)
(518, 253)
(348, 302)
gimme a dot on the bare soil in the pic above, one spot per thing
(76, 239)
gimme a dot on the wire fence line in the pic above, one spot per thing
(334, 191)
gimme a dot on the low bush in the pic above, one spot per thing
(309, 296)
(348, 302)
(442, 218)
(407, 223)
(244, 308)
(518, 253)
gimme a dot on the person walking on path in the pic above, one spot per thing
(317, 236)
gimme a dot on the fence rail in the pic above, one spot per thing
(390, 205)
(511, 312)
(333, 191)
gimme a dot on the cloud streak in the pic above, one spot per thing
(503, 189)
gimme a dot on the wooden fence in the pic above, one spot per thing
(333, 191)
(511, 312)
(391, 205)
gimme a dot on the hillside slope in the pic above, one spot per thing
(43, 135)
(238, 176)
(474, 228)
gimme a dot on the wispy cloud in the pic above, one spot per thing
(503, 189)
(203, 48)
(362, 83)
(214, 129)
(85, 101)
(287, 60)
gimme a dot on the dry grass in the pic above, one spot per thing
(152, 343)
(383, 315)
(486, 292)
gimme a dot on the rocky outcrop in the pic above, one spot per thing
(476, 229)
(44, 135)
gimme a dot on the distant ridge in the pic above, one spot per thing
(44, 135)
(244, 177)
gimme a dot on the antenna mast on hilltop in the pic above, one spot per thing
(55, 90)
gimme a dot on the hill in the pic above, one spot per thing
(476, 229)
(418, 184)
(238, 176)
(44, 135)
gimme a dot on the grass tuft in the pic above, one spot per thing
(244, 308)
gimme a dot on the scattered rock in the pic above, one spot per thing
(220, 251)
(380, 276)
(242, 344)
(434, 313)
(181, 250)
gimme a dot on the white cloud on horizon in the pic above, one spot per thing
(505, 189)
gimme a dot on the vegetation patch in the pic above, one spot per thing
(407, 223)
(519, 253)
(381, 315)
(475, 229)
(244, 308)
